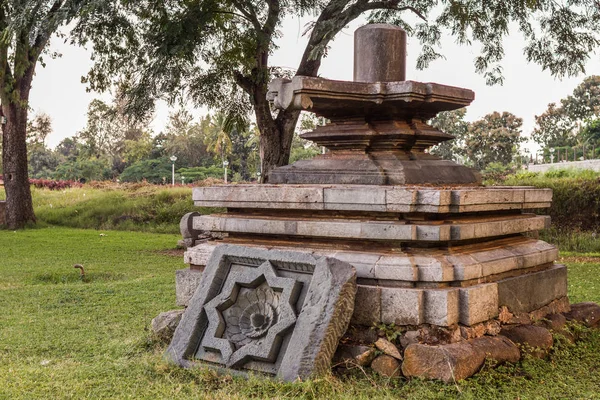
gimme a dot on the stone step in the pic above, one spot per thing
(466, 264)
(372, 230)
(443, 307)
(399, 199)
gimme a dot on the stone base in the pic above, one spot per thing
(391, 168)
(437, 306)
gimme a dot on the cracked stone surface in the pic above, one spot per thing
(276, 312)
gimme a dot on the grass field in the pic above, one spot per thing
(61, 337)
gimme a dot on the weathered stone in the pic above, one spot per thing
(362, 198)
(367, 308)
(478, 303)
(386, 365)
(553, 322)
(534, 340)
(186, 283)
(410, 337)
(379, 53)
(402, 306)
(441, 306)
(349, 354)
(364, 359)
(587, 313)
(532, 291)
(449, 363)
(498, 348)
(388, 348)
(276, 312)
(164, 324)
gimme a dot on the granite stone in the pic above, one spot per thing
(279, 313)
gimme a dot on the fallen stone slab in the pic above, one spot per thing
(534, 340)
(587, 313)
(164, 324)
(276, 312)
(498, 348)
(448, 363)
(386, 366)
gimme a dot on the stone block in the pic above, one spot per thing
(277, 312)
(398, 268)
(386, 365)
(498, 348)
(388, 348)
(441, 306)
(164, 324)
(186, 283)
(449, 363)
(529, 292)
(433, 269)
(534, 340)
(199, 254)
(478, 303)
(367, 306)
(587, 313)
(402, 306)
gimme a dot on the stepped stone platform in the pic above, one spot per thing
(423, 255)
(429, 244)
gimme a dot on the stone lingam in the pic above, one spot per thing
(434, 252)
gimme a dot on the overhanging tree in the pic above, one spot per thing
(218, 52)
(25, 29)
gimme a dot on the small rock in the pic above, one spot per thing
(449, 363)
(386, 366)
(504, 315)
(366, 357)
(350, 354)
(165, 323)
(587, 313)
(553, 322)
(534, 340)
(409, 338)
(388, 348)
(520, 319)
(498, 348)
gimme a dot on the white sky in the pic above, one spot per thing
(527, 90)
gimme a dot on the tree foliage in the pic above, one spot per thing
(26, 27)
(493, 139)
(216, 53)
(452, 123)
(572, 122)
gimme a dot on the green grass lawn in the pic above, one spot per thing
(61, 337)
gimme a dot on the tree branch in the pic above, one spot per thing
(393, 5)
(250, 15)
(42, 38)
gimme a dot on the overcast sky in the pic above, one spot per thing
(527, 90)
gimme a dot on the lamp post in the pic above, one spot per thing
(173, 159)
(225, 164)
(182, 180)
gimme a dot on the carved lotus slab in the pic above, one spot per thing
(276, 312)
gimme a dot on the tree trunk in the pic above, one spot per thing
(19, 206)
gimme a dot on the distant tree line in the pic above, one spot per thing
(115, 147)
